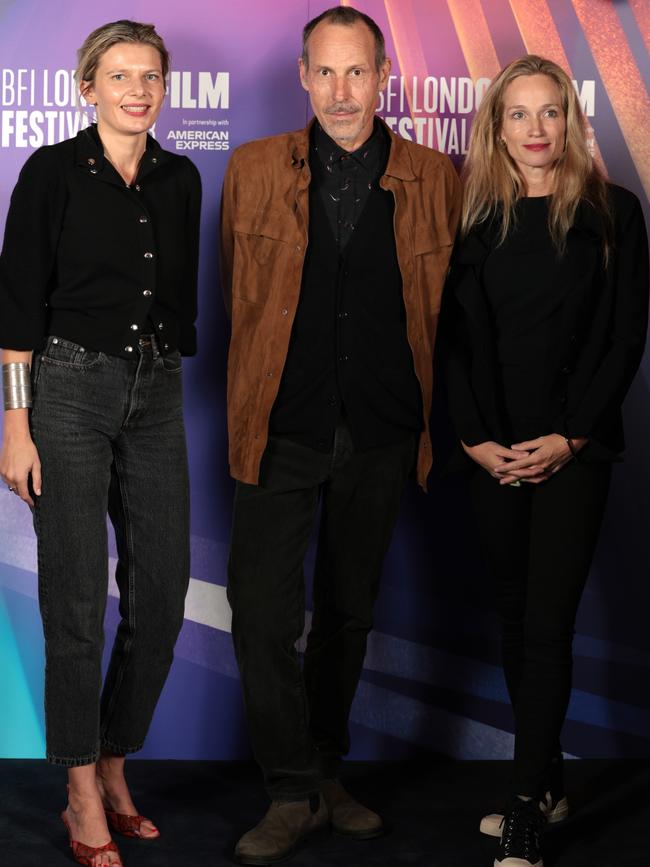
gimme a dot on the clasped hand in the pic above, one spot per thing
(532, 461)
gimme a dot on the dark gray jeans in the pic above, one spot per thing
(110, 436)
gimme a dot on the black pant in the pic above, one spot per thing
(298, 720)
(539, 542)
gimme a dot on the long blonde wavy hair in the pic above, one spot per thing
(493, 182)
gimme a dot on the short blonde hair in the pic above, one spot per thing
(104, 37)
(492, 179)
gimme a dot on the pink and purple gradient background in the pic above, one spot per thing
(432, 681)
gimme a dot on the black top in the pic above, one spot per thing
(526, 282)
(343, 180)
(94, 260)
(349, 350)
(591, 328)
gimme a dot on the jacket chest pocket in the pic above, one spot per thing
(432, 248)
(264, 245)
(262, 235)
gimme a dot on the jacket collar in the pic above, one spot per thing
(89, 153)
(475, 246)
(589, 222)
(482, 238)
(399, 160)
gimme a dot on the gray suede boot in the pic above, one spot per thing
(348, 816)
(283, 828)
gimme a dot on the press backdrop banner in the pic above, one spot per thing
(431, 681)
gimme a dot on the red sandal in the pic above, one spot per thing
(130, 826)
(83, 854)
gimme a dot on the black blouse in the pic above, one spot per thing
(96, 261)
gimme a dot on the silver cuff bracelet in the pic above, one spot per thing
(16, 385)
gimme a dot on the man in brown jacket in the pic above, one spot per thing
(336, 241)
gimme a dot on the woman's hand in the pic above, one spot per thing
(495, 459)
(540, 458)
(19, 457)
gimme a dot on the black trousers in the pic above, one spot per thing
(539, 542)
(298, 717)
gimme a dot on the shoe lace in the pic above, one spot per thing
(523, 823)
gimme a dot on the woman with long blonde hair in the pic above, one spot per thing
(543, 330)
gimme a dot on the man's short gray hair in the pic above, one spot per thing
(346, 16)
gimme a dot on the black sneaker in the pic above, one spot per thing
(521, 835)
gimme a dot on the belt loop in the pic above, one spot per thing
(148, 341)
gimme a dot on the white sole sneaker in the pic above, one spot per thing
(518, 862)
(491, 825)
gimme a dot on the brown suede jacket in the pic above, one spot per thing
(264, 235)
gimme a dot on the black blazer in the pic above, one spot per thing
(599, 335)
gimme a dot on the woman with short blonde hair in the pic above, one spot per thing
(98, 278)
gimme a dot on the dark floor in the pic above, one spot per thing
(432, 809)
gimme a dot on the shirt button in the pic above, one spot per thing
(165, 345)
(154, 159)
(144, 219)
(160, 326)
(128, 349)
(148, 255)
(91, 161)
(269, 373)
(298, 248)
(137, 186)
(93, 171)
(285, 312)
(134, 327)
(344, 357)
(146, 292)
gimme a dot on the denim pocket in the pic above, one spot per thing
(63, 353)
(172, 362)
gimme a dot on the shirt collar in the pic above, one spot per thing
(90, 152)
(371, 155)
